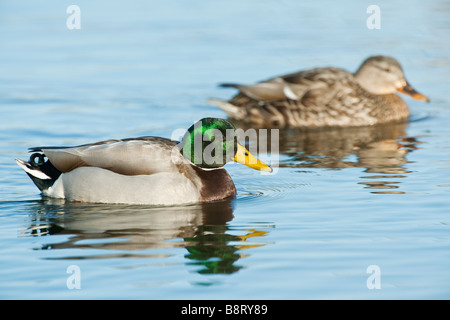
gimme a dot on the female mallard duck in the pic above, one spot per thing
(323, 97)
(145, 170)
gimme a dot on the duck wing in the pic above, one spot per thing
(320, 85)
(310, 98)
(136, 156)
(315, 86)
(267, 91)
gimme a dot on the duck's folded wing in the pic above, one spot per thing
(267, 91)
(305, 86)
(320, 85)
(129, 157)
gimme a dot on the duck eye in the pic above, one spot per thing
(246, 153)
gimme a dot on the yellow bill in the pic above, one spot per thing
(246, 158)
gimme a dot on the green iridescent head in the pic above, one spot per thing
(212, 142)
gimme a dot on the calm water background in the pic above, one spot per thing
(340, 201)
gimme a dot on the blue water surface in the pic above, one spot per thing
(340, 201)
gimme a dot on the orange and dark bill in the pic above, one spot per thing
(410, 91)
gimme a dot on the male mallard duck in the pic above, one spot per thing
(325, 97)
(145, 170)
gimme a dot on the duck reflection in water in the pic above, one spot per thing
(132, 231)
(380, 149)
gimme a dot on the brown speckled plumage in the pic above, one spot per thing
(318, 97)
